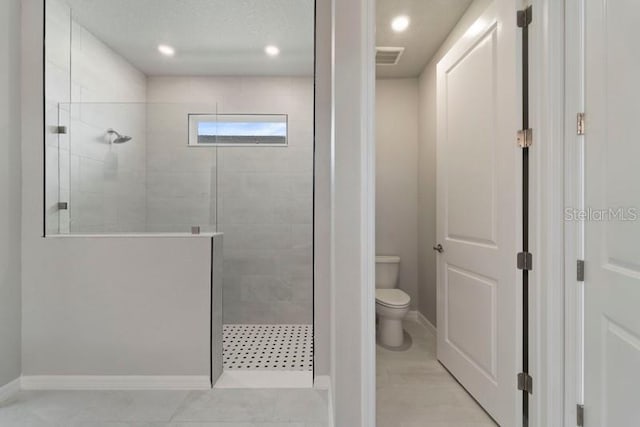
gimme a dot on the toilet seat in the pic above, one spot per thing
(392, 298)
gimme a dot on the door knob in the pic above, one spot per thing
(438, 248)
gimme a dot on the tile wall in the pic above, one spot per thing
(264, 194)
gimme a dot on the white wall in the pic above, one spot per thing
(427, 166)
(264, 194)
(104, 183)
(10, 242)
(353, 233)
(397, 177)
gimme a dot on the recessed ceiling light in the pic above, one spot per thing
(166, 50)
(272, 50)
(400, 23)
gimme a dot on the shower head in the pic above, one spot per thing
(119, 138)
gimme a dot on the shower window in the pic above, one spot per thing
(238, 129)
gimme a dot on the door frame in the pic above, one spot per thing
(574, 197)
(557, 96)
(546, 204)
(554, 175)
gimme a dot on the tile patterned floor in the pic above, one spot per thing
(215, 408)
(269, 347)
(414, 390)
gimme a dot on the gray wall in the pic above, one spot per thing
(104, 183)
(427, 166)
(10, 242)
(118, 306)
(264, 194)
(57, 274)
(397, 177)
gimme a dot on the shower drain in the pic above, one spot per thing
(268, 347)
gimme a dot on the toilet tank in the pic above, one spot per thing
(387, 271)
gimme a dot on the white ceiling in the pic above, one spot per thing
(227, 37)
(431, 22)
(211, 37)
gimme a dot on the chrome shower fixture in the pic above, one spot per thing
(119, 138)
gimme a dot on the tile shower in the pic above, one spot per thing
(263, 205)
(261, 198)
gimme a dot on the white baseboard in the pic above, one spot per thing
(416, 316)
(9, 390)
(115, 382)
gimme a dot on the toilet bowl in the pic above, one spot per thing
(392, 304)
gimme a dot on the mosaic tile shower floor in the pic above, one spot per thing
(268, 347)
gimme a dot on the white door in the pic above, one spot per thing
(612, 228)
(477, 213)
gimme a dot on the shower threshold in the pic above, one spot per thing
(265, 379)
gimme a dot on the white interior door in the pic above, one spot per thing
(477, 196)
(612, 198)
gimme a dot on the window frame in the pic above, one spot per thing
(194, 119)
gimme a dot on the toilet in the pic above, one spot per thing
(392, 304)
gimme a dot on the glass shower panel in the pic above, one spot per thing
(127, 168)
(181, 180)
(56, 151)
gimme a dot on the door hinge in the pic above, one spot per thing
(59, 130)
(580, 270)
(525, 17)
(580, 124)
(580, 414)
(525, 382)
(525, 261)
(525, 138)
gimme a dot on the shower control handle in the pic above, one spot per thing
(438, 248)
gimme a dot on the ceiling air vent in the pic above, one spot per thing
(388, 55)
